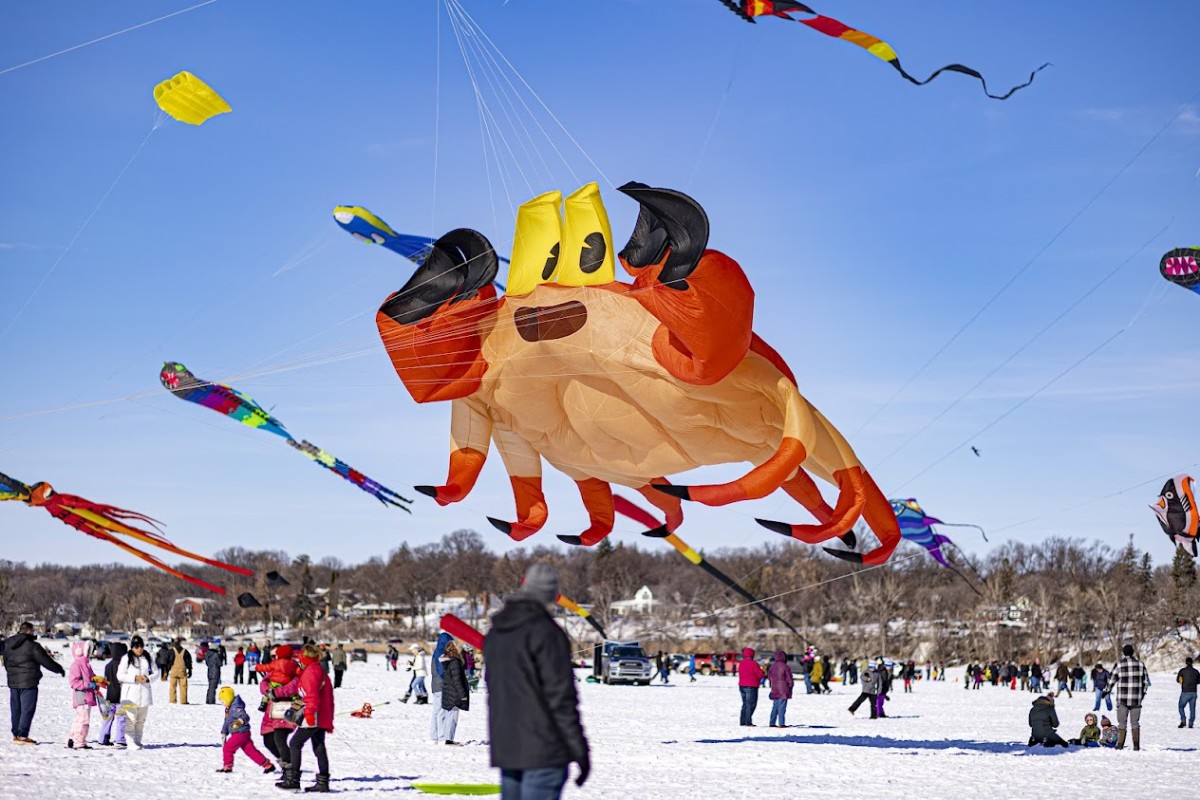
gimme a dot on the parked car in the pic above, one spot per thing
(358, 654)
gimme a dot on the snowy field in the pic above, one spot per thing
(675, 741)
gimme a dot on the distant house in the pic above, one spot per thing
(373, 612)
(455, 602)
(642, 603)
(189, 612)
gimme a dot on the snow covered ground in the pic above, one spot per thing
(675, 741)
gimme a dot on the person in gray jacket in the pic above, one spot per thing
(339, 665)
(212, 660)
(869, 684)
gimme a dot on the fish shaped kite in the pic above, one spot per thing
(786, 9)
(103, 521)
(917, 526)
(232, 403)
(658, 530)
(1181, 267)
(1176, 512)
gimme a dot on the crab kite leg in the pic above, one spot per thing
(784, 9)
(659, 530)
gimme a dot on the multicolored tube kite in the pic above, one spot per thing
(785, 9)
(570, 605)
(226, 400)
(103, 521)
(658, 530)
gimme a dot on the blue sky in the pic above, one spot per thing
(873, 217)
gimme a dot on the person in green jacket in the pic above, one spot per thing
(1090, 735)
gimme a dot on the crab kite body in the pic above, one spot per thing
(613, 382)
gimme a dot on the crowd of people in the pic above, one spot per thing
(534, 725)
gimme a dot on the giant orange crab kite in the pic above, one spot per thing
(612, 382)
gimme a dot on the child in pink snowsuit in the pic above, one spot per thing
(83, 695)
(236, 730)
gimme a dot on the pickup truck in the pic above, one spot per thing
(623, 662)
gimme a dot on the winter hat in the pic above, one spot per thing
(541, 582)
(225, 695)
(283, 651)
(1106, 722)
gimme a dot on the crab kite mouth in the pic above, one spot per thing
(545, 324)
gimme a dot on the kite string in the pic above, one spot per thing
(106, 36)
(1069, 223)
(78, 233)
(437, 117)
(1028, 342)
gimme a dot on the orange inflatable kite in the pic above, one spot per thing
(612, 382)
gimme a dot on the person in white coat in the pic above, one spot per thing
(136, 673)
(417, 666)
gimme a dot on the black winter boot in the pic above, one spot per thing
(322, 784)
(106, 743)
(291, 779)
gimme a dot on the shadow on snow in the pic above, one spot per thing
(893, 744)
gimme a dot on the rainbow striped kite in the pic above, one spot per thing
(785, 9)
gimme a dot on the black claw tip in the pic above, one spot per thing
(501, 525)
(850, 539)
(675, 491)
(779, 527)
(853, 558)
(428, 491)
(575, 540)
(660, 532)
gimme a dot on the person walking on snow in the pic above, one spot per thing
(339, 665)
(239, 666)
(1063, 675)
(163, 660)
(779, 676)
(315, 687)
(869, 685)
(417, 666)
(884, 685)
(692, 668)
(750, 676)
(212, 660)
(235, 733)
(135, 674)
(1187, 678)
(24, 660)
(1129, 682)
(112, 732)
(275, 730)
(82, 681)
(1100, 680)
(533, 707)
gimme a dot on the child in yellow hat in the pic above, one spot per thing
(236, 732)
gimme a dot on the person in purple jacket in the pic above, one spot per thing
(779, 676)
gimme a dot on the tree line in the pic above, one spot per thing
(1020, 601)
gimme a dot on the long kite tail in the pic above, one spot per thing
(982, 532)
(155, 561)
(749, 9)
(658, 530)
(571, 605)
(372, 487)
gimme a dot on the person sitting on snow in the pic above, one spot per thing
(1043, 720)
(1090, 735)
(1108, 733)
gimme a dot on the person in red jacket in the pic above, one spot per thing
(750, 676)
(314, 686)
(239, 666)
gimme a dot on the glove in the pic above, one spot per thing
(585, 769)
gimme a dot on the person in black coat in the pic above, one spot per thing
(456, 694)
(112, 694)
(1043, 720)
(24, 660)
(533, 709)
(163, 660)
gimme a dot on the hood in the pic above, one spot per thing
(17, 641)
(118, 650)
(780, 655)
(519, 609)
(748, 652)
(1043, 701)
(79, 649)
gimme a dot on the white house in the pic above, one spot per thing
(642, 603)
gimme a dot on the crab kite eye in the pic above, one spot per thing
(551, 262)
(536, 244)
(595, 249)
(587, 257)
